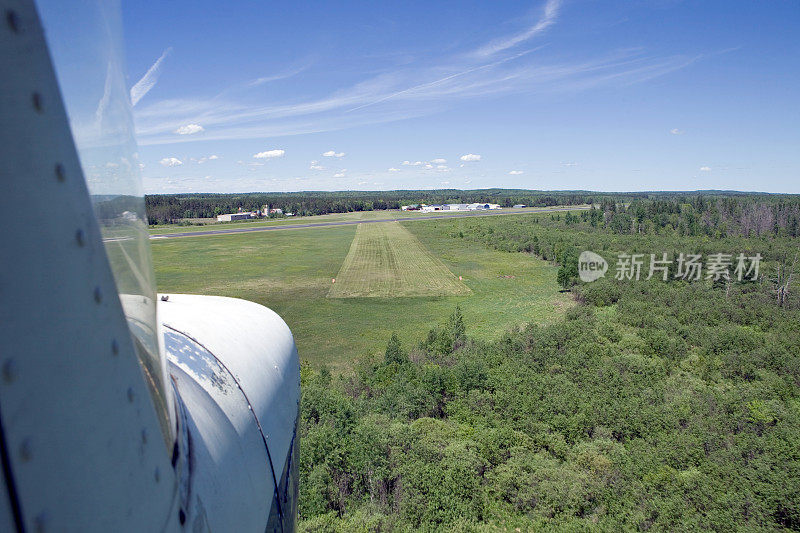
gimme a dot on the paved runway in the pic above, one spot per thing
(348, 222)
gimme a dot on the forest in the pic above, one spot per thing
(650, 406)
(170, 208)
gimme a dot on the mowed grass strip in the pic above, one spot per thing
(290, 272)
(387, 261)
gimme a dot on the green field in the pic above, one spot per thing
(352, 216)
(333, 217)
(291, 271)
(388, 261)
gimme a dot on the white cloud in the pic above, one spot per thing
(189, 129)
(339, 175)
(269, 154)
(705, 169)
(676, 131)
(171, 162)
(331, 153)
(515, 172)
(276, 77)
(394, 169)
(439, 161)
(428, 165)
(570, 164)
(148, 81)
(204, 159)
(414, 164)
(316, 166)
(391, 96)
(548, 18)
(470, 157)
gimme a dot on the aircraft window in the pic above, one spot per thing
(93, 87)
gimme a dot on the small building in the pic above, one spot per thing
(519, 206)
(229, 217)
(455, 207)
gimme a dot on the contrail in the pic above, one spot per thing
(442, 80)
(548, 19)
(149, 79)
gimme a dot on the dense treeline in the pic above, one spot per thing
(676, 408)
(719, 216)
(650, 406)
(169, 208)
(671, 227)
(691, 213)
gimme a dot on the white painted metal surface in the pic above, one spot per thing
(83, 441)
(91, 438)
(229, 480)
(254, 344)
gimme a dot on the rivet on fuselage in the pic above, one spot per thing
(37, 101)
(13, 20)
(10, 371)
(25, 452)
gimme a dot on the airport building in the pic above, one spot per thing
(247, 215)
(454, 207)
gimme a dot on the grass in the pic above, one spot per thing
(290, 272)
(332, 217)
(387, 261)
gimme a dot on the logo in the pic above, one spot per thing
(591, 266)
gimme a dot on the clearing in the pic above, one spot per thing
(290, 272)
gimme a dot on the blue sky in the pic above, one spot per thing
(611, 95)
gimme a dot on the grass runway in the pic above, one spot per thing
(388, 261)
(290, 272)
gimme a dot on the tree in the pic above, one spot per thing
(456, 323)
(783, 279)
(567, 275)
(394, 351)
